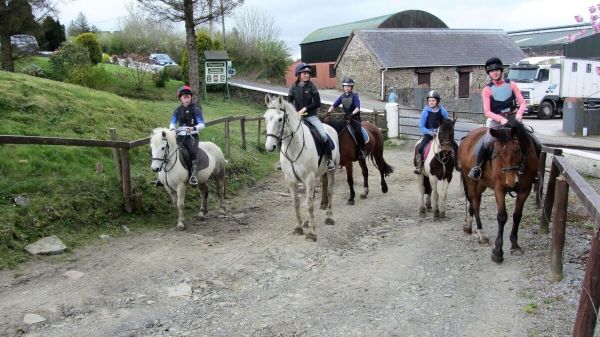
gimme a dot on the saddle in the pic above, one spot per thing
(319, 144)
(363, 131)
(187, 162)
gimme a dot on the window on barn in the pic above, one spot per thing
(313, 71)
(331, 71)
(424, 78)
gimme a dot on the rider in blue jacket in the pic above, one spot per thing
(431, 118)
(351, 107)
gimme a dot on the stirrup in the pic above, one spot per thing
(418, 170)
(278, 166)
(193, 180)
(475, 173)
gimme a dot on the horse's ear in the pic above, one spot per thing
(164, 134)
(267, 99)
(454, 120)
(280, 100)
(514, 131)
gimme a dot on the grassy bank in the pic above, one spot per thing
(67, 195)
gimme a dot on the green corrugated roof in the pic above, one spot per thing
(344, 30)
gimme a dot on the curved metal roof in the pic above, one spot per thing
(404, 19)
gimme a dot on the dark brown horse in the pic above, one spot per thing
(512, 169)
(348, 155)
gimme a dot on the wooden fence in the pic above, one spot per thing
(121, 148)
(563, 176)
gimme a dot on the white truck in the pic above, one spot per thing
(545, 81)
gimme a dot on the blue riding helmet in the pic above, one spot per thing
(301, 68)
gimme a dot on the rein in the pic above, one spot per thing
(280, 138)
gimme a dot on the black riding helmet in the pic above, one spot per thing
(301, 68)
(493, 64)
(348, 81)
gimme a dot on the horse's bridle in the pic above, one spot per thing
(280, 138)
(166, 159)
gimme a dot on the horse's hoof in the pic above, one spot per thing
(311, 237)
(436, 214)
(323, 206)
(421, 211)
(350, 202)
(363, 196)
(497, 258)
(516, 251)
(202, 217)
(222, 211)
(180, 227)
(467, 229)
(429, 206)
(384, 189)
(329, 221)
(298, 231)
(305, 224)
(442, 214)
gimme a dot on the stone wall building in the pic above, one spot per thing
(416, 60)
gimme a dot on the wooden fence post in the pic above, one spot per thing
(126, 179)
(559, 224)
(548, 200)
(258, 135)
(243, 129)
(116, 157)
(227, 141)
(589, 299)
(541, 174)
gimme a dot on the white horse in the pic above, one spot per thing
(167, 161)
(299, 159)
(437, 167)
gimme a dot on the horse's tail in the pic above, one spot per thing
(463, 180)
(427, 185)
(387, 168)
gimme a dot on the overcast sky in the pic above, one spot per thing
(296, 19)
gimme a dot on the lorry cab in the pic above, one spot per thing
(546, 81)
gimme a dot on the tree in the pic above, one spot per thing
(18, 16)
(80, 25)
(52, 35)
(89, 41)
(192, 13)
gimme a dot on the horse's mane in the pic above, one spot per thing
(157, 136)
(287, 108)
(338, 125)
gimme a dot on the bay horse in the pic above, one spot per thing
(348, 155)
(299, 159)
(438, 166)
(511, 169)
(168, 163)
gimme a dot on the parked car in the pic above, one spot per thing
(162, 59)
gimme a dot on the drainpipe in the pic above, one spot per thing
(382, 84)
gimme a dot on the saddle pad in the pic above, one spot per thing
(186, 161)
(364, 132)
(426, 149)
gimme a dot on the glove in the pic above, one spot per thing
(432, 133)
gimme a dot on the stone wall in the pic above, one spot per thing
(358, 63)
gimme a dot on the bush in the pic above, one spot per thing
(90, 76)
(203, 42)
(69, 56)
(33, 70)
(89, 41)
(105, 58)
(160, 78)
(174, 72)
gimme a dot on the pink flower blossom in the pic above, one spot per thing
(578, 18)
(592, 9)
(598, 70)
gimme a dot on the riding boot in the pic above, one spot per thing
(278, 166)
(158, 183)
(193, 180)
(482, 157)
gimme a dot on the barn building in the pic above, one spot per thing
(554, 41)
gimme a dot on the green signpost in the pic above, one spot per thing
(217, 70)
